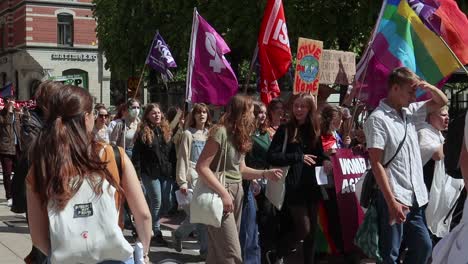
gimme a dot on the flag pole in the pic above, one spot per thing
(139, 81)
(189, 63)
(453, 54)
(252, 63)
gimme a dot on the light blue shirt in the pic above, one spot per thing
(384, 130)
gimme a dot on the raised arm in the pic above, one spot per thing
(438, 99)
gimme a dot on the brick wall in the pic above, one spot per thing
(36, 24)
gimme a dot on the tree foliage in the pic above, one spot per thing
(126, 27)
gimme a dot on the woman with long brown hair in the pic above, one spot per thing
(73, 180)
(230, 138)
(152, 153)
(275, 116)
(303, 153)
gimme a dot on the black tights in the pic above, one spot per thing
(304, 221)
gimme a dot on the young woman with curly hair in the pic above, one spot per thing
(303, 153)
(152, 153)
(230, 138)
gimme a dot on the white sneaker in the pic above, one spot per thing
(10, 202)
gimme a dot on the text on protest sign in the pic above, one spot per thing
(307, 75)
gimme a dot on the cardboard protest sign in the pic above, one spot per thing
(307, 75)
(337, 67)
(347, 170)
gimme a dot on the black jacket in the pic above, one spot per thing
(154, 160)
(30, 129)
(301, 184)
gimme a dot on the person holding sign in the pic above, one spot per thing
(391, 135)
(303, 153)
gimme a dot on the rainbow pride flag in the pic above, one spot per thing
(401, 38)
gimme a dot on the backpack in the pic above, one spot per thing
(453, 146)
(87, 229)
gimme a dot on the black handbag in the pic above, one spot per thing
(369, 185)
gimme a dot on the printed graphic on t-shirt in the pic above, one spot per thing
(83, 210)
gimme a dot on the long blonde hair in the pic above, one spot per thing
(312, 118)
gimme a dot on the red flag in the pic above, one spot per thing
(454, 28)
(273, 50)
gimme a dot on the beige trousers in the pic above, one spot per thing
(223, 242)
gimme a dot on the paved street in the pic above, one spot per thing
(15, 242)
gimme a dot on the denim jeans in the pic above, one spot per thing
(413, 231)
(184, 230)
(158, 191)
(248, 234)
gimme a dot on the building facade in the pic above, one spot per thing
(51, 39)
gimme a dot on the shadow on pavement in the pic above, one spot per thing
(17, 230)
(157, 257)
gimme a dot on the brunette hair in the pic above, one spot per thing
(100, 106)
(312, 119)
(198, 108)
(146, 127)
(328, 112)
(257, 107)
(400, 76)
(44, 92)
(273, 105)
(130, 102)
(238, 122)
(71, 155)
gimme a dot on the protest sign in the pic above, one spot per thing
(337, 67)
(307, 75)
(347, 169)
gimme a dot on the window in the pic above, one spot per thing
(65, 29)
(3, 38)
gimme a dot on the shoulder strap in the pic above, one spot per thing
(118, 160)
(285, 141)
(399, 146)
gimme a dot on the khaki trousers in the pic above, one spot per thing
(223, 242)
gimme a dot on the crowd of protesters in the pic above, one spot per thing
(63, 140)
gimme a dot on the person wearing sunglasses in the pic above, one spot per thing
(100, 127)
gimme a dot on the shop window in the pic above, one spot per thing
(65, 29)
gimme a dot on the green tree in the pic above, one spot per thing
(126, 28)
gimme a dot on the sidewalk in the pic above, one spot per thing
(15, 242)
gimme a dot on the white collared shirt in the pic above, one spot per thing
(385, 129)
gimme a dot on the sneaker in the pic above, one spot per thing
(10, 202)
(272, 258)
(159, 240)
(177, 242)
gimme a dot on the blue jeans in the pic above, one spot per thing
(248, 234)
(413, 231)
(158, 191)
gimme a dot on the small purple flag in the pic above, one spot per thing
(210, 78)
(160, 57)
(425, 10)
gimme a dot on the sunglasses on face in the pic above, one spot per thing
(103, 116)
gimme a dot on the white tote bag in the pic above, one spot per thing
(275, 191)
(206, 206)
